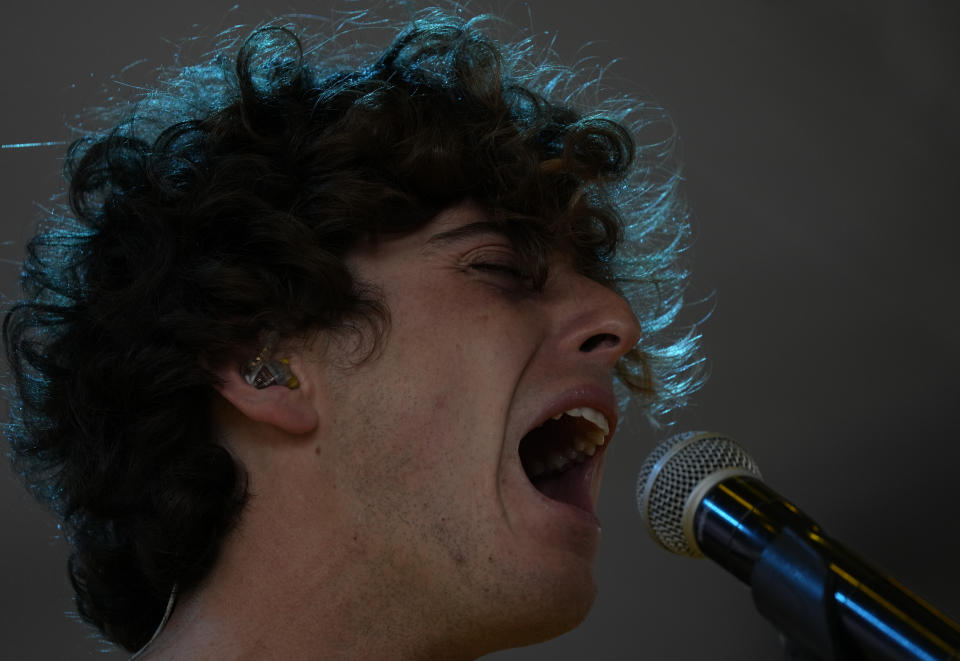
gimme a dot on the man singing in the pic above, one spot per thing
(321, 363)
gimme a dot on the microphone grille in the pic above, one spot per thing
(670, 476)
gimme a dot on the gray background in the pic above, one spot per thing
(821, 147)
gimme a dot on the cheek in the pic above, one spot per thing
(456, 335)
(434, 400)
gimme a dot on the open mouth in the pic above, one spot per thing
(558, 455)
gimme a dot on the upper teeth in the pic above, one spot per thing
(580, 448)
(590, 414)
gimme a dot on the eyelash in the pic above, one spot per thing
(501, 268)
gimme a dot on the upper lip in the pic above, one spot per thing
(592, 395)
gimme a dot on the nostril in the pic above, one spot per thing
(600, 340)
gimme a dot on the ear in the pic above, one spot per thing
(288, 409)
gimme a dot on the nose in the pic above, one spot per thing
(594, 320)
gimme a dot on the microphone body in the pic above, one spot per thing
(820, 595)
(825, 599)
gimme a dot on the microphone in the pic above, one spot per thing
(701, 494)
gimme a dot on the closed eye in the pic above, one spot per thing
(505, 269)
(507, 276)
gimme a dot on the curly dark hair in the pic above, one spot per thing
(219, 210)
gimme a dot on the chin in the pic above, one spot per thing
(565, 613)
(545, 613)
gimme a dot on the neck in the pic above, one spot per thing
(281, 590)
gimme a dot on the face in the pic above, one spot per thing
(421, 442)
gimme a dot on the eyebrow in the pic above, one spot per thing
(467, 231)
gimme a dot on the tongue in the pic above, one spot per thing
(571, 487)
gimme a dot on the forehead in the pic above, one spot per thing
(538, 242)
(459, 223)
(449, 228)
